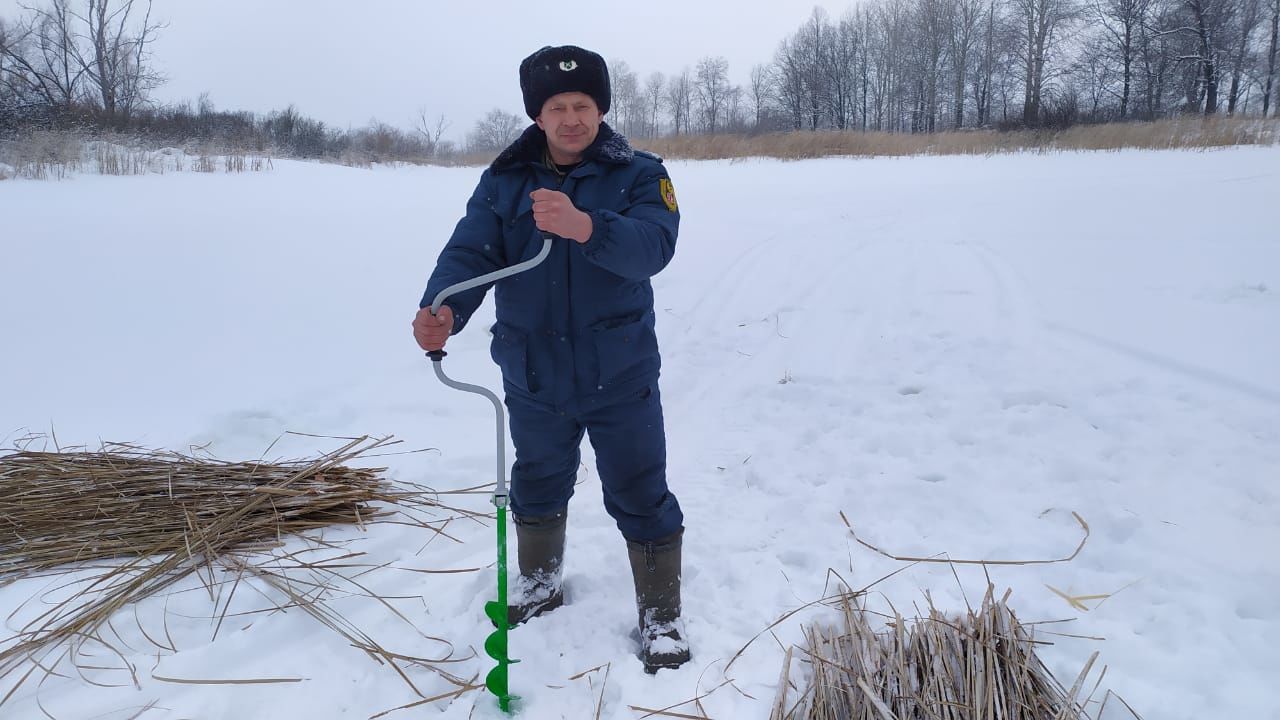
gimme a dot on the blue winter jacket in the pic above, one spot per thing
(576, 331)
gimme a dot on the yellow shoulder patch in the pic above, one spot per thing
(668, 194)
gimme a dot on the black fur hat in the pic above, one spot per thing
(554, 70)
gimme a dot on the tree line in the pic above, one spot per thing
(885, 65)
(930, 65)
(87, 65)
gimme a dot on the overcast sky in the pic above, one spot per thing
(345, 62)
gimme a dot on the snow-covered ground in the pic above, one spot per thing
(955, 352)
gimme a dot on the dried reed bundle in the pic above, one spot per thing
(979, 666)
(158, 517)
(66, 507)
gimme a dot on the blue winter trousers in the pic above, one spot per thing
(631, 459)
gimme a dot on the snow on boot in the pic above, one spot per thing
(540, 553)
(655, 567)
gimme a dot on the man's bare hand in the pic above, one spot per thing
(431, 331)
(554, 212)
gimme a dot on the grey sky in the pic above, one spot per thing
(346, 62)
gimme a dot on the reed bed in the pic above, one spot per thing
(977, 666)
(123, 523)
(1188, 133)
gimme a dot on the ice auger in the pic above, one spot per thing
(496, 644)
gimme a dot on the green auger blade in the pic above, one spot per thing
(496, 681)
(497, 612)
(496, 644)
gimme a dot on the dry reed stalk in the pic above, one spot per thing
(780, 700)
(126, 523)
(977, 666)
(669, 711)
(953, 562)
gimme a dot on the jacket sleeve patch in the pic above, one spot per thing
(668, 194)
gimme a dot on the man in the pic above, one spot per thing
(575, 335)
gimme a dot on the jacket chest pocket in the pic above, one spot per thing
(520, 222)
(523, 210)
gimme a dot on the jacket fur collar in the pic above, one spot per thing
(531, 146)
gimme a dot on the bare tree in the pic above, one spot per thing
(1206, 21)
(759, 91)
(7, 96)
(1095, 75)
(1157, 58)
(809, 45)
(637, 110)
(711, 85)
(495, 131)
(1271, 57)
(805, 67)
(95, 52)
(735, 115)
(1248, 17)
(680, 100)
(1121, 23)
(982, 80)
(6, 91)
(789, 81)
(626, 89)
(863, 18)
(890, 19)
(118, 68)
(653, 94)
(929, 48)
(430, 130)
(43, 56)
(964, 33)
(838, 59)
(1041, 23)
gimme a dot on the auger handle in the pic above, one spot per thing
(500, 485)
(493, 276)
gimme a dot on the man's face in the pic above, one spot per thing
(571, 121)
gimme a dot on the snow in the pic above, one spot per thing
(956, 353)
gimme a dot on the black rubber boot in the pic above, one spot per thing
(655, 567)
(540, 553)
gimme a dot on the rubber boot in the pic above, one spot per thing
(540, 554)
(655, 567)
